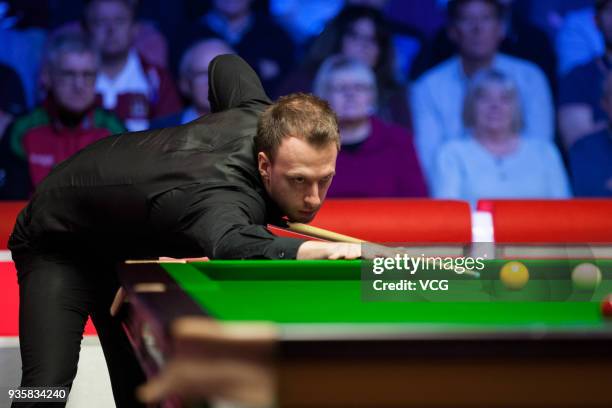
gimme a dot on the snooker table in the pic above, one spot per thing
(331, 347)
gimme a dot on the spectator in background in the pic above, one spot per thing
(549, 15)
(407, 40)
(377, 159)
(193, 83)
(591, 156)
(580, 94)
(254, 36)
(495, 161)
(521, 39)
(21, 48)
(135, 90)
(68, 120)
(476, 28)
(358, 32)
(578, 40)
(12, 104)
(12, 97)
(304, 20)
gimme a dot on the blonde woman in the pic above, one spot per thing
(495, 160)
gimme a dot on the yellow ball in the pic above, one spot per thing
(514, 275)
(586, 276)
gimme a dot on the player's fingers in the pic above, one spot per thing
(334, 256)
(201, 259)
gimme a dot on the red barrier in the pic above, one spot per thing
(8, 213)
(550, 221)
(398, 220)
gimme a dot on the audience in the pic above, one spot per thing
(304, 20)
(578, 40)
(550, 15)
(12, 104)
(12, 97)
(67, 120)
(254, 36)
(580, 95)
(358, 32)
(134, 89)
(21, 49)
(377, 159)
(591, 156)
(407, 39)
(358, 54)
(521, 39)
(193, 83)
(476, 27)
(495, 161)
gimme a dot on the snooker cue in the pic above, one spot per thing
(336, 237)
(322, 233)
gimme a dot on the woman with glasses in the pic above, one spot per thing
(377, 158)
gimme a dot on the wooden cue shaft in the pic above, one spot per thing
(322, 233)
(335, 237)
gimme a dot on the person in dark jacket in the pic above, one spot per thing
(207, 188)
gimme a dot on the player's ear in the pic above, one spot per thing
(263, 165)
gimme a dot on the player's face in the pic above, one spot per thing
(495, 109)
(298, 177)
(361, 43)
(73, 81)
(110, 23)
(478, 30)
(351, 95)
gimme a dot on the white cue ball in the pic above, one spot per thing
(586, 276)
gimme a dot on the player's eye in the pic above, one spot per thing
(298, 180)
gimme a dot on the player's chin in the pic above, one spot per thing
(303, 216)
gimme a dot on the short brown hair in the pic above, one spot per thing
(297, 115)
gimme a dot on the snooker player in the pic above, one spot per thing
(207, 188)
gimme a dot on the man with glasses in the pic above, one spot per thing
(67, 120)
(193, 83)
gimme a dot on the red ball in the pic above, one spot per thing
(606, 306)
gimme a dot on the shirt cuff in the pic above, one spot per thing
(283, 248)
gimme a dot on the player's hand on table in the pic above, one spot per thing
(329, 250)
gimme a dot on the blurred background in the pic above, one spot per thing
(462, 99)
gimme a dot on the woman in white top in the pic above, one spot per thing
(494, 160)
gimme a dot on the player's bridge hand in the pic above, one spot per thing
(328, 250)
(370, 251)
(342, 250)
